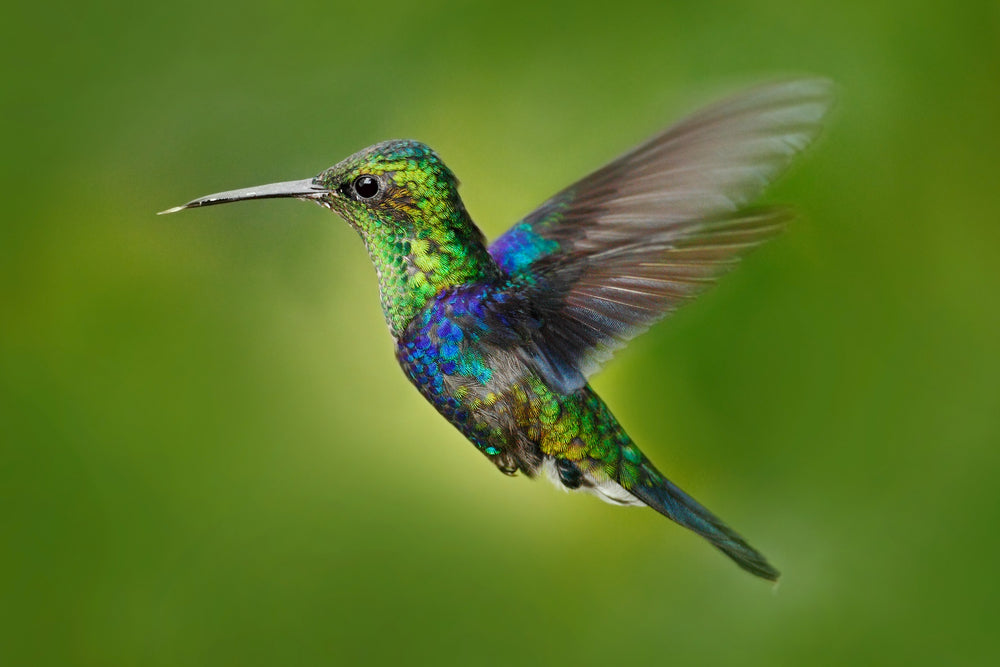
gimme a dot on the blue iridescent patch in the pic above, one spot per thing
(520, 247)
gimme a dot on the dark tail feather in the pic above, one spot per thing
(667, 499)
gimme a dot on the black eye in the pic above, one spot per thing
(366, 186)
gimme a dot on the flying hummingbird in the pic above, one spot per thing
(501, 338)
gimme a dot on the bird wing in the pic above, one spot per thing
(610, 255)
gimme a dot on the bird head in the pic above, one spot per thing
(394, 189)
(403, 201)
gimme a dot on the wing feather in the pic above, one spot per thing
(610, 255)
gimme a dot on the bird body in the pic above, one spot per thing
(501, 339)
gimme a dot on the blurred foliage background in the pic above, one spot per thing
(209, 456)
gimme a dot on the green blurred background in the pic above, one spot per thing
(209, 456)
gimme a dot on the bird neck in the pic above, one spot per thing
(416, 264)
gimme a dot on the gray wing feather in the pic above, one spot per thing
(615, 252)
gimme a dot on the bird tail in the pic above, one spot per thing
(668, 499)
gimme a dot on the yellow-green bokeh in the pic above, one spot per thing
(209, 457)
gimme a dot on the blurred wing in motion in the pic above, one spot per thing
(607, 257)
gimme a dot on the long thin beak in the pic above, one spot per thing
(307, 189)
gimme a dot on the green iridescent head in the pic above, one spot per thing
(400, 184)
(403, 201)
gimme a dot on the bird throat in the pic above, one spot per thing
(416, 265)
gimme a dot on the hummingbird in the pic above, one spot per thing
(501, 338)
